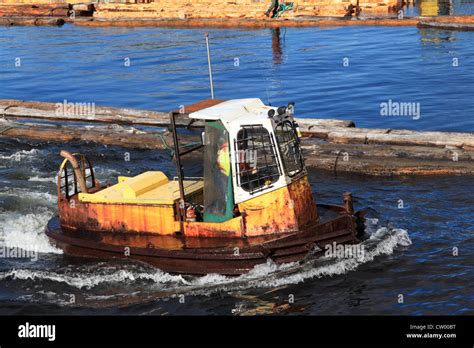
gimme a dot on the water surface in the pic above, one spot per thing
(415, 225)
(168, 68)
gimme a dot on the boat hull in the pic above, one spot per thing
(228, 256)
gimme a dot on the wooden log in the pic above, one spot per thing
(329, 144)
(367, 159)
(108, 135)
(399, 137)
(447, 26)
(15, 109)
(27, 21)
(40, 10)
(387, 160)
(247, 23)
(335, 131)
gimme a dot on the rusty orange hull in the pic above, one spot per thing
(191, 255)
(288, 209)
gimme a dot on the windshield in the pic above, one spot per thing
(218, 197)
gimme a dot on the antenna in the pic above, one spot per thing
(209, 64)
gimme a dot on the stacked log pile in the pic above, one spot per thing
(334, 145)
(185, 9)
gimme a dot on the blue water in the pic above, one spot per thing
(168, 68)
(410, 248)
(414, 225)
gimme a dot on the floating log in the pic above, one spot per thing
(334, 145)
(446, 26)
(244, 22)
(30, 21)
(463, 23)
(82, 18)
(39, 10)
(108, 135)
(386, 160)
(15, 109)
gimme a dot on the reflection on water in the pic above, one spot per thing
(276, 45)
(436, 7)
(439, 38)
(439, 7)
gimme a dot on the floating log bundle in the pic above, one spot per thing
(335, 145)
(36, 10)
(221, 13)
(185, 9)
(243, 22)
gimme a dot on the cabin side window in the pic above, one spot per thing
(257, 163)
(289, 148)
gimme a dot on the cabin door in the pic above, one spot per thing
(218, 194)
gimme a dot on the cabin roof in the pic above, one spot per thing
(250, 109)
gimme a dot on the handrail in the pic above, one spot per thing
(77, 170)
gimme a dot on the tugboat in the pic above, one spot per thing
(253, 203)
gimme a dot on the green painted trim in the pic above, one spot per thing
(229, 210)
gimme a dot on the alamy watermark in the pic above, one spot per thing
(75, 109)
(406, 109)
(345, 251)
(247, 157)
(28, 330)
(14, 252)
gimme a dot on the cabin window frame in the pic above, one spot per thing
(294, 147)
(269, 144)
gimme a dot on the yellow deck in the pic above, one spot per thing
(146, 188)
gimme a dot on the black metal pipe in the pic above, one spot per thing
(179, 169)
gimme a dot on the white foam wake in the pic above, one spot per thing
(26, 194)
(89, 281)
(21, 155)
(383, 241)
(388, 242)
(270, 275)
(27, 231)
(37, 178)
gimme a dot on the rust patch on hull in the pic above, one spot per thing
(189, 255)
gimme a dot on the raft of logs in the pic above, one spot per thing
(84, 14)
(335, 145)
(43, 14)
(83, 18)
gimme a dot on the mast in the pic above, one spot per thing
(209, 64)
